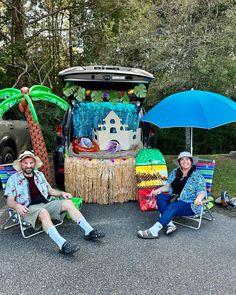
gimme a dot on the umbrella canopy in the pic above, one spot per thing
(193, 108)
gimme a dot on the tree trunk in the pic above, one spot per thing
(19, 49)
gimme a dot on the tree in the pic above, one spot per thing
(184, 43)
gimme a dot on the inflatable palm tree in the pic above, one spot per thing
(24, 98)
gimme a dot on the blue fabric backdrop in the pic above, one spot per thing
(87, 115)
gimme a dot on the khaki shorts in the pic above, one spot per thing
(53, 207)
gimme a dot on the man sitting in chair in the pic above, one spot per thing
(28, 193)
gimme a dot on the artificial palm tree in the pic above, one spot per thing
(24, 97)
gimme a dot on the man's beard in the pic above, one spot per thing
(28, 171)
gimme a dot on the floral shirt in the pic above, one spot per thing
(18, 187)
(195, 184)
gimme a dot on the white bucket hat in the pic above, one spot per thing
(188, 155)
(27, 154)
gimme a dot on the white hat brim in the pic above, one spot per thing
(17, 163)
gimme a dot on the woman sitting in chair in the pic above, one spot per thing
(186, 189)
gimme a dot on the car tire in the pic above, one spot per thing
(7, 155)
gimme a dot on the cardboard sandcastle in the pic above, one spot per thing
(113, 129)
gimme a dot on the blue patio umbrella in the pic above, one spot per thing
(194, 109)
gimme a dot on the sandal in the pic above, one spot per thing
(94, 235)
(146, 234)
(171, 229)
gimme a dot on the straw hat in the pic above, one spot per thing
(188, 155)
(27, 154)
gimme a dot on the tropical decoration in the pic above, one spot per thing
(69, 89)
(93, 179)
(96, 96)
(140, 90)
(24, 98)
(82, 94)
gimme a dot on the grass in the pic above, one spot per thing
(224, 176)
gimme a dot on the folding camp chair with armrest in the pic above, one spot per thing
(15, 219)
(206, 168)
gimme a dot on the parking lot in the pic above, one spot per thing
(188, 262)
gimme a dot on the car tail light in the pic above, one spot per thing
(59, 130)
(60, 169)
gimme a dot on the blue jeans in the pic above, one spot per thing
(169, 211)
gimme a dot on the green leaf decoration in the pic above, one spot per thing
(140, 90)
(68, 89)
(40, 88)
(8, 103)
(8, 92)
(32, 109)
(114, 97)
(80, 94)
(96, 96)
(125, 98)
(50, 97)
(35, 95)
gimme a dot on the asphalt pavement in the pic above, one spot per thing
(187, 262)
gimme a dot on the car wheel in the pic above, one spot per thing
(7, 155)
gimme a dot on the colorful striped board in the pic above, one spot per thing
(151, 170)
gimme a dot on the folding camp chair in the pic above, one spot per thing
(206, 168)
(15, 219)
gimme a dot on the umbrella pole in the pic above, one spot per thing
(191, 141)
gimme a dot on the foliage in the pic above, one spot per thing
(194, 52)
(49, 118)
(184, 43)
(217, 140)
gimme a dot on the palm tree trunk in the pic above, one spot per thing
(39, 145)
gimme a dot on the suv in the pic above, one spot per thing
(87, 84)
(14, 136)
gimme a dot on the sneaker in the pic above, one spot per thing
(233, 202)
(170, 229)
(68, 248)
(94, 235)
(146, 234)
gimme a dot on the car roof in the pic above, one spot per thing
(106, 74)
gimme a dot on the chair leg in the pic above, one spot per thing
(211, 218)
(59, 223)
(24, 229)
(197, 220)
(10, 219)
